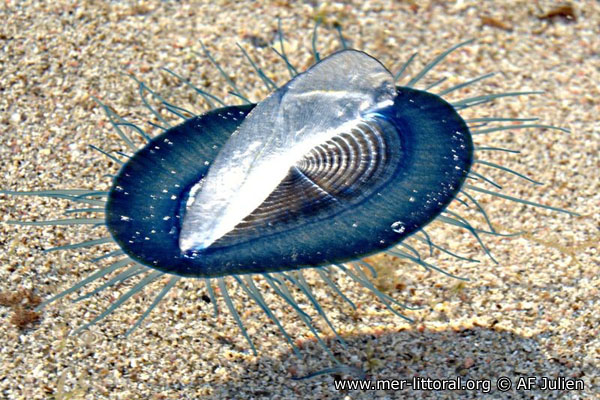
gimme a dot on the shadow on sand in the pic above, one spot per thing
(479, 356)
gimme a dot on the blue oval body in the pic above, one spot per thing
(405, 167)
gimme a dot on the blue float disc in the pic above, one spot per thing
(423, 152)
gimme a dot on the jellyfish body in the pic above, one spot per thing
(335, 165)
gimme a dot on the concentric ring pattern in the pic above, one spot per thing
(333, 176)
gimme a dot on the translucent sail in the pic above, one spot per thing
(329, 98)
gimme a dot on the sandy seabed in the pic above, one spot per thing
(534, 314)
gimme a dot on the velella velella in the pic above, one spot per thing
(320, 154)
(335, 165)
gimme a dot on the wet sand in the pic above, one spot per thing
(534, 314)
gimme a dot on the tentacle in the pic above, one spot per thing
(143, 87)
(364, 280)
(488, 180)
(331, 284)
(500, 119)
(132, 126)
(411, 249)
(152, 276)
(96, 193)
(88, 243)
(522, 126)
(338, 27)
(110, 114)
(84, 210)
(157, 300)
(305, 288)
(510, 171)
(107, 255)
(314, 42)
(465, 84)
(429, 242)
(404, 67)
(522, 201)
(208, 97)
(237, 95)
(287, 295)
(223, 74)
(384, 298)
(234, 313)
(213, 298)
(481, 210)
(96, 275)
(435, 62)
(434, 84)
(461, 201)
(73, 221)
(254, 293)
(293, 71)
(121, 277)
(477, 148)
(157, 126)
(178, 111)
(369, 266)
(442, 249)
(269, 84)
(115, 159)
(122, 122)
(68, 194)
(486, 98)
(282, 291)
(123, 154)
(463, 223)
(425, 265)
